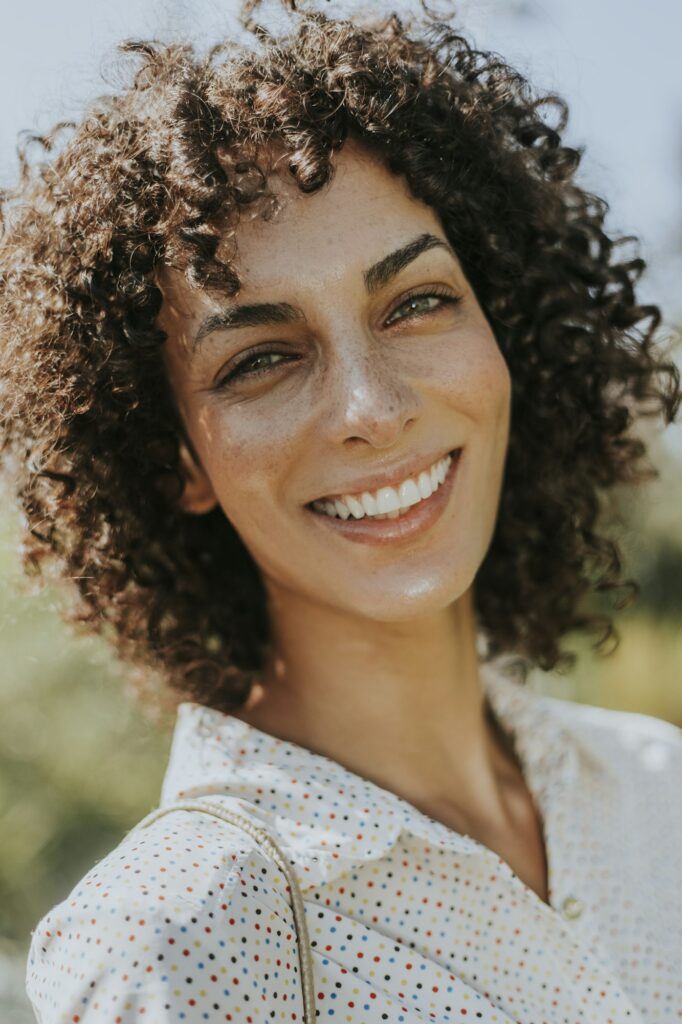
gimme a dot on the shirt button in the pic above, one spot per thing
(572, 907)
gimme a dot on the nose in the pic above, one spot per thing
(370, 396)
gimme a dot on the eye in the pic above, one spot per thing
(419, 298)
(249, 366)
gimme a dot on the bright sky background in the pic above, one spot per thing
(617, 62)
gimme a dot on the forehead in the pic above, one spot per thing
(359, 214)
(316, 239)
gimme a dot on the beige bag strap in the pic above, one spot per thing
(270, 846)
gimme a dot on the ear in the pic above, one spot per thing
(198, 496)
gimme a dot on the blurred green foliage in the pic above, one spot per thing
(79, 762)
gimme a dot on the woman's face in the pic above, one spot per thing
(358, 388)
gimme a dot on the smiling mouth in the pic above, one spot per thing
(388, 502)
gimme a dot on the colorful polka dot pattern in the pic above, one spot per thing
(409, 921)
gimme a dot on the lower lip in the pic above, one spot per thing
(415, 520)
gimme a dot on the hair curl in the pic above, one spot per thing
(155, 174)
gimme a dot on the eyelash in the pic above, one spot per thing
(237, 371)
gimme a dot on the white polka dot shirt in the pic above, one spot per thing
(409, 921)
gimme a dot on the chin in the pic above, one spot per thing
(414, 598)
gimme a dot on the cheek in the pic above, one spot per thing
(249, 461)
(475, 378)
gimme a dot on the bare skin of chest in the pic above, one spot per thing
(520, 841)
(521, 846)
(524, 851)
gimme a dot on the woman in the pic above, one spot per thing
(320, 366)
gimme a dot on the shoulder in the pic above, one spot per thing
(639, 746)
(187, 915)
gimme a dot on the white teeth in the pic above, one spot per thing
(341, 509)
(409, 494)
(387, 502)
(424, 483)
(369, 503)
(355, 506)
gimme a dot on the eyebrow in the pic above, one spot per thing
(261, 314)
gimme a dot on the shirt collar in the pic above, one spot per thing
(325, 817)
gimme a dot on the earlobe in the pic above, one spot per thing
(198, 496)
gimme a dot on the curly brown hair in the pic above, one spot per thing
(154, 175)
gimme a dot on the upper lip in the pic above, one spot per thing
(387, 476)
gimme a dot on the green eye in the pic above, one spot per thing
(249, 367)
(444, 299)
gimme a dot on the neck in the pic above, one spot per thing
(400, 704)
